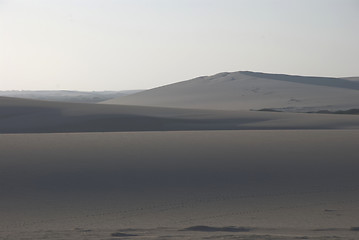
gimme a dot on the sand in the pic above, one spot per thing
(250, 90)
(32, 116)
(198, 163)
(67, 96)
(277, 184)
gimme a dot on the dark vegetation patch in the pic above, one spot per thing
(354, 111)
(217, 229)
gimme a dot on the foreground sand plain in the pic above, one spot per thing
(267, 184)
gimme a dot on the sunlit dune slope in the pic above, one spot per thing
(252, 90)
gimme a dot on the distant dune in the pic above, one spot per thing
(352, 79)
(33, 116)
(68, 96)
(251, 90)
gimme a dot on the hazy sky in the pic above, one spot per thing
(137, 44)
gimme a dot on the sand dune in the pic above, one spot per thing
(67, 96)
(109, 171)
(356, 79)
(251, 90)
(184, 185)
(32, 116)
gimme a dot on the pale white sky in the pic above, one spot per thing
(138, 44)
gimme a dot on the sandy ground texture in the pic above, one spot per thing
(32, 116)
(252, 90)
(258, 184)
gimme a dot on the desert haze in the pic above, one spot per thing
(242, 155)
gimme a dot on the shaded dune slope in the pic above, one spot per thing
(320, 81)
(32, 116)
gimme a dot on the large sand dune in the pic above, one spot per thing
(32, 116)
(251, 90)
(109, 171)
(180, 185)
